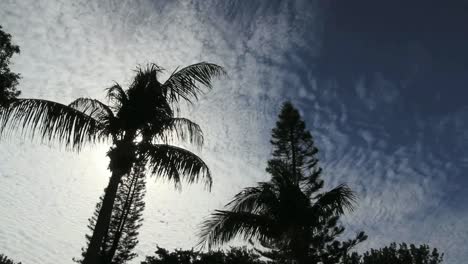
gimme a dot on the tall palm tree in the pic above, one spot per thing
(287, 214)
(139, 121)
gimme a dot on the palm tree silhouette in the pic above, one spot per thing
(139, 121)
(287, 214)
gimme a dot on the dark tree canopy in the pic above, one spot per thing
(393, 254)
(401, 254)
(178, 256)
(5, 260)
(8, 80)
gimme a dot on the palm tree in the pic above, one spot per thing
(139, 121)
(287, 214)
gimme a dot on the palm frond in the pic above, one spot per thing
(52, 121)
(246, 200)
(223, 226)
(336, 200)
(117, 96)
(175, 163)
(94, 108)
(186, 82)
(254, 199)
(183, 129)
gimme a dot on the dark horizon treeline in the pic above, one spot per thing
(289, 219)
(393, 254)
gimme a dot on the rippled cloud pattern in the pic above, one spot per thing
(403, 153)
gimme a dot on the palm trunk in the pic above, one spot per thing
(301, 258)
(122, 156)
(115, 242)
(103, 220)
(122, 220)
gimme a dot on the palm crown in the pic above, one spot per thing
(139, 121)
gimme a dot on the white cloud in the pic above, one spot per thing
(74, 49)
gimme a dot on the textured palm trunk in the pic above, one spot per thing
(301, 261)
(301, 258)
(300, 246)
(122, 220)
(120, 164)
(102, 223)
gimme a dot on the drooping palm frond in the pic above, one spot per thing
(175, 163)
(246, 200)
(94, 108)
(336, 200)
(183, 129)
(185, 83)
(223, 226)
(51, 121)
(97, 110)
(255, 199)
(117, 96)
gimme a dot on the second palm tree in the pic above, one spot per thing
(287, 215)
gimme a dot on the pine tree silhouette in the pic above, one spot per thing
(121, 237)
(289, 214)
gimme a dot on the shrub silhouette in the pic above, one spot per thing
(8, 80)
(5, 260)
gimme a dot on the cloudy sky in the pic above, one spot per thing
(382, 87)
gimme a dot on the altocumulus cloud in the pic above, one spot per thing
(409, 184)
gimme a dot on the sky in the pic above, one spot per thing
(381, 86)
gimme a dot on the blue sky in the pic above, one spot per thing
(382, 88)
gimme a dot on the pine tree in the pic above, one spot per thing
(121, 237)
(289, 215)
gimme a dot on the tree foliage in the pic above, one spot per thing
(232, 256)
(393, 254)
(5, 260)
(8, 80)
(397, 254)
(289, 215)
